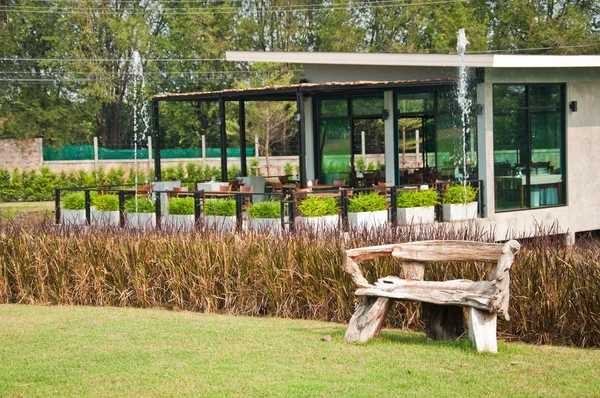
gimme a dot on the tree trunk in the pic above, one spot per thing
(443, 322)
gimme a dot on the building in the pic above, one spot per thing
(532, 136)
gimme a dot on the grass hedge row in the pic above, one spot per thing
(554, 287)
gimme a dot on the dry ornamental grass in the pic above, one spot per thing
(554, 288)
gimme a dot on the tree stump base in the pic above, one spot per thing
(443, 322)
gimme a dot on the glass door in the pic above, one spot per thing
(335, 147)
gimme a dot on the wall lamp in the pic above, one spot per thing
(297, 116)
(385, 114)
(573, 106)
(479, 109)
(219, 121)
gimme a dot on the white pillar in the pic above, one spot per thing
(41, 145)
(203, 149)
(363, 147)
(309, 139)
(390, 155)
(96, 154)
(149, 152)
(256, 146)
(417, 149)
(485, 147)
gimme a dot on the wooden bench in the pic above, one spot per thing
(484, 299)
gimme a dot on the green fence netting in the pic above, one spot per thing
(86, 152)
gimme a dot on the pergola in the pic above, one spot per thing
(295, 92)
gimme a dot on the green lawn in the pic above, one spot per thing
(10, 210)
(93, 351)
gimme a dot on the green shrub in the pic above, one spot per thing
(367, 202)
(219, 207)
(233, 172)
(144, 205)
(181, 206)
(106, 202)
(268, 209)
(458, 194)
(254, 163)
(74, 201)
(423, 198)
(318, 207)
(360, 163)
(288, 169)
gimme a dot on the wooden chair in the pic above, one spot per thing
(339, 183)
(276, 187)
(369, 179)
(246, 199)
(234, 185)
(382, 187)
(176, 192)
(442, 185)
(417, 178)
(284, 179)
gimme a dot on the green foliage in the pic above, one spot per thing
(181, 206)
(267, 209)
(288, 169)
(371, 166)
(424, 198)
(367, 202)
(254, 163)
(360, 163)
(458, 194)
(73, 201)
(106, 202)
(144, 205)
(233, 172)
(318, 207)
(114, 177)
(219, 207)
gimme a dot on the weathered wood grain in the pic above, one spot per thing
(368, 319)
(482, 330)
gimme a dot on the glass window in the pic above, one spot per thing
(335, 147)
(333, 107)
(528, 146)
(367, 106)
(415, 102)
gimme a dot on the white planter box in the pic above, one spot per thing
(105, 218)
(323, 223)
(416, 215)
(141, 220)
(458, 212)
(73, 217)
(369, 220)
(265, 224)
(220, 223)
(179, 222)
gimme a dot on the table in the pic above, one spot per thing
(323, 186)
(537, 179)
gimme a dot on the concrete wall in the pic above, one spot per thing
(582, 212)
(24, 154)
(353, 73)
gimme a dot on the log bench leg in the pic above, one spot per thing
(368, 318)
(482, 330)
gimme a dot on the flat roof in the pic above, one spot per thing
(430, 60)
(288, 92)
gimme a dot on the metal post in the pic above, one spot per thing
(122, 209)
(238, 211)
(57, 206)
(302, 137)
(394, 200)
(158, 209)
(223, 131)
(282, 210)
(242, 122)
(197, 210)
(417, 150)
(203, 149)
(363, 145)
(87, 207)
(157, 143)
(344, 210)
(292, 211)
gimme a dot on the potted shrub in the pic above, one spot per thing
(417, 207)
(73, 208)
(367, 210)
(220, 213)
(318, 213)
(181, 213)
(265, 215)
(141, 214)
(460, 203)
(106, 210)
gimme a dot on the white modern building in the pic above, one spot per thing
(532, 138)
